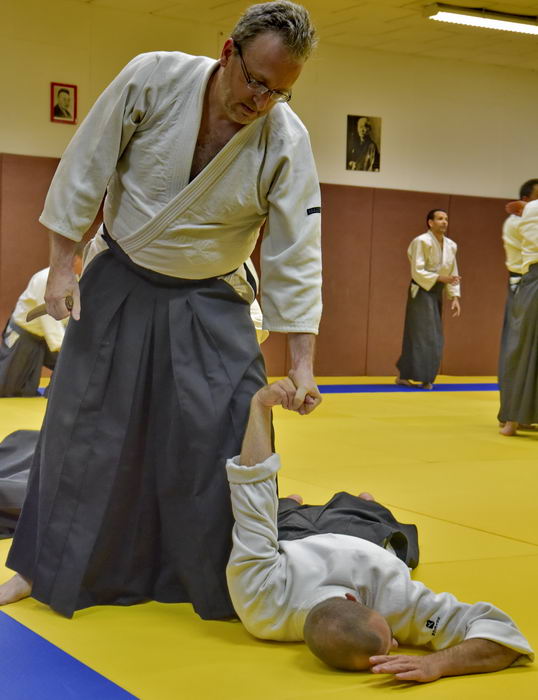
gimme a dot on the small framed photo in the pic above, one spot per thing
(63, 103)
(363, 143)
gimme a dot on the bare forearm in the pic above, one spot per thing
(256, 445)
(62, 251)
(301, 347)
(471, 656)
(62, 292)
(474, 656)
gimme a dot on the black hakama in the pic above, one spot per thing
(422, 345)
(128, 498)
(21, 364)
(345, 514)
(513, 282)
(519, 387)
(16, 456)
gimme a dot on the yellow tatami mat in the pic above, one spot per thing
(435, 458)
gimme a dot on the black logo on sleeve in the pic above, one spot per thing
(433, 625)
(313, 210)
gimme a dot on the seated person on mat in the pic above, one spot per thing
(348, 598)
(28, 346)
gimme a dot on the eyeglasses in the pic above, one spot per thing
(259, 88)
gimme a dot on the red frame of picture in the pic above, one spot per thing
(72, 89)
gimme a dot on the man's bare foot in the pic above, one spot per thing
(366, 496)
(427, 385)
(509, 428)
(16, 588)
(296, 497)
(403, 382)
(526, 426)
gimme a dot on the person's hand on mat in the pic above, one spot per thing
(279, 393)
(62, 294)
(408, 668)
(455, 306)
(470, 656)
(307, 396)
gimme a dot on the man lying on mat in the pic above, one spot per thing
(350, 599)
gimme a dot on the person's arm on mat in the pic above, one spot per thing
(471, 656)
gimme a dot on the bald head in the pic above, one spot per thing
(344, 633)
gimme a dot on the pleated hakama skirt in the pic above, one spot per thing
(128, 498)
(519, 387)
(422, 345)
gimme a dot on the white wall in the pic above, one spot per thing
(448, 126)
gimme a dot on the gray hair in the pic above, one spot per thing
(290, 21)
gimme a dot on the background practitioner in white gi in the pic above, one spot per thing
(128, 500)
(511, 237)
(519, 386)
(433, 267)
(28, 346)
(347, 598)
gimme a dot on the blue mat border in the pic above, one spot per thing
(391, 388)
(32, 667)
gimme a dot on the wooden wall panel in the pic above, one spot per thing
(398, 217)
(472, 341)
(347, 221)
(274, 351)
(366, 233)
(23, 240)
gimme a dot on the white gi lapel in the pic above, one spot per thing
(189, 194)
(438, 253)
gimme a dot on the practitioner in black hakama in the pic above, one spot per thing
(128, 498)
(519, 387)
(433, 268)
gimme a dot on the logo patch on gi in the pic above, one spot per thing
(313, 210)
(433, 625)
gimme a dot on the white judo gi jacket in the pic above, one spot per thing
(46, 327)
(137, 143)
(273, 584)
(429, 260)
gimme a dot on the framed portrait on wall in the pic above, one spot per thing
(63, 103)
(363, 143)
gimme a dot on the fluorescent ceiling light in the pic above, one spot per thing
(482, 17)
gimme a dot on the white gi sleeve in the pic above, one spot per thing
(529, 235)
(439, 620)
(453, 290)
(418, 254)
(256, 570)
(89, 161)
(291, 245)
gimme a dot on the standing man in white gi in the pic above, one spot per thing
(519, 386)
(511, 236)
(350, 599)
(128, 499)
(433, 267)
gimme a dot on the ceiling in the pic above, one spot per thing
(396, 26)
